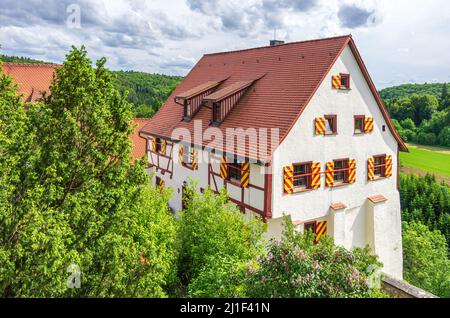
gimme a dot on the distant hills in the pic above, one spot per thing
(146, 91)
(405, 90)
(20, 59)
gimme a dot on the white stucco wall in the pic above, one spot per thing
(302, 145)
(181, 174)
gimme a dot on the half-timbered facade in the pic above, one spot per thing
(295, 129)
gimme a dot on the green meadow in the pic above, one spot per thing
(423, 159)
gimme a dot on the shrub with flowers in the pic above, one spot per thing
(296, 267)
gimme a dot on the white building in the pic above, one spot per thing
(331, 161)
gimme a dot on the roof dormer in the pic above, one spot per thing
(223, 100)
(192, 99)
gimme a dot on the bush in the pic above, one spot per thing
(425, 259)
(212, 226)
(295, 267)
(222, 276)
(408, 124)
(438, 121)
(426, 138)
(444, 137)
(407, 135)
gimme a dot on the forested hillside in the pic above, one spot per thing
(396, 92)
(20, 59)
(420, 112)
(147, 92)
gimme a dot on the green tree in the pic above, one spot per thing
(444, 100)
(222, 277)
(408, 124)
(405, 110)
(425, 105)
(144, 111)
(425, 138)
(444, 137)
(212, 227)
(425, 259)
(296, 267)
(75, 197)
(423, 199)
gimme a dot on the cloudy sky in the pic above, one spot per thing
(401, 41)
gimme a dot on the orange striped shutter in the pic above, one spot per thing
(163, 147)
(370, 169)
(329, 175)
(245, 174)
(180, 153)
(224, 168)
(368, 124)
(194, 159)
(388, 171)
(153, 144)
(321, 230)
(352, 171)
(288, 179)
(336, 81)
(320, 125)
(315, 175)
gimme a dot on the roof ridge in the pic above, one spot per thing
(285, 44)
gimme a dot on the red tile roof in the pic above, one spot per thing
(198, 89)
(139, 144)
(31, 78)
(228, 91)
(293, 73)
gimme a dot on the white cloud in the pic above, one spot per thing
(400, 40)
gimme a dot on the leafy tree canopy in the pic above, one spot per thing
(70, 194)
(426, 262)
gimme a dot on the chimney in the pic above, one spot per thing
(276, 42)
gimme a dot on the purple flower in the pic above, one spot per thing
(299, 253)
(308, 277)
(298, 281)
(317, 266)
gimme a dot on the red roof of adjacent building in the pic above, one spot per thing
(139, 149)
(292, 74)
(31, 78)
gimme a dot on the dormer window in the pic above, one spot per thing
(223, 100)
(216, 113)
(192, 99)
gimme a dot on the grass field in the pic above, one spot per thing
(423, 159)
